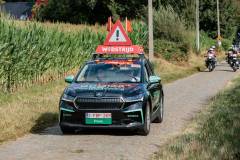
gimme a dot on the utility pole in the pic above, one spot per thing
(218, 24)
(150, 30)
(197, 27)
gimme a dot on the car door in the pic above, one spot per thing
(153, 88)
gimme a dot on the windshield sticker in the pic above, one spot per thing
(135, 65)
(104, 86)
(118, 62)
(124, 68)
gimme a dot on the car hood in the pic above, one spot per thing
(104, 89)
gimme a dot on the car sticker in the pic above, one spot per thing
(135, 65)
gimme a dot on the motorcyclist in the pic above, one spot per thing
(234, 62)
(229, 55)
(214, 50)
(213, 47)
(211, 52)
(210, 57)
(235, 51)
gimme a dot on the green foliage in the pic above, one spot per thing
(30, 52)
(206, 41)
(27, 53)
(84, 11)
(171, 51)
(226, 44)
(185, 9)
(140, 34)
(172, 17)
(236, 39)
(19, 0)
(208, 20)
(173, 40)
(75, 11)
(164, 26)
(220, 131)
(127, 8)
(93, 11)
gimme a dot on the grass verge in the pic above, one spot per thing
(30, 110)
(213, 134)
(170, 72)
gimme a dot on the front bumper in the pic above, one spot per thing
(126, 118)
(122, 126)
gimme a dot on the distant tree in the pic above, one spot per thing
(97, 11)
(228, 17)
(75, 11)
(91, 11)
(184, 8)
(19, 0)
(127, 8)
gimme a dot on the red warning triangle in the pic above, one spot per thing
(117, 36)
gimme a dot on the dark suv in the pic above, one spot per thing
(120, 93)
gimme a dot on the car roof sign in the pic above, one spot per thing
(133, 49)
(118, 42)
(117, 36)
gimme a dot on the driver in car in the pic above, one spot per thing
(100, 75)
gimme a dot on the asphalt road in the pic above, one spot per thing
(183, 99)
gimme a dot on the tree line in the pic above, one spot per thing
(97, 11)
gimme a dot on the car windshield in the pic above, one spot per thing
(110, 72)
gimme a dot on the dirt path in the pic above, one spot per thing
(183, 99)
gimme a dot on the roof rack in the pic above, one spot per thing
(112, 56)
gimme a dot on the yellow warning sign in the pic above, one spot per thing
(219, 38)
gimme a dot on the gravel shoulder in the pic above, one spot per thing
(183, 99)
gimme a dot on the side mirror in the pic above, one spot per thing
(154, 79)
(69, 79)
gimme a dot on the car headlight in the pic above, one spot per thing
(134, 98)
(67, 98)
(67, 102)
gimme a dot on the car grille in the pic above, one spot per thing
(99, 103)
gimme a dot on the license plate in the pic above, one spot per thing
(98, 118)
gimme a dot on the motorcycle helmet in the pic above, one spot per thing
(213, 47)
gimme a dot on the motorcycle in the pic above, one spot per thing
(228, 57)
(234, 63)
(210, 62)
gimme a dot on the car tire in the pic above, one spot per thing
(234, 68)
(147, 121)
(210, 67)
(160, 112)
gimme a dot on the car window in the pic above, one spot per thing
(111, 71)
(149, 69)
(146, 74)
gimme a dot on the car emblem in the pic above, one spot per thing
(99, 94)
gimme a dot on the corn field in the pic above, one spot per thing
(33, 53)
